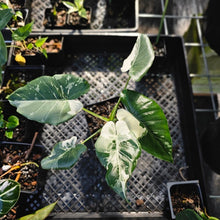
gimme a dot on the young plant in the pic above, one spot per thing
(9, 125)
(16, 14)
(30, 47)
(77, 6)
(19, 36)
(142, 125)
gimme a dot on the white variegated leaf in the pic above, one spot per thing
(118, 150)
(50, 100)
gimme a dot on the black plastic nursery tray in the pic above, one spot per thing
(82, 191)
(108, 16)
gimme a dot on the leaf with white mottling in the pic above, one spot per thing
(140, 58)
(9, 195)
(49, 99)
(118, 150)
(64, 155)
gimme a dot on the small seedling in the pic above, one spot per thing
(77, 6)
(8, 126)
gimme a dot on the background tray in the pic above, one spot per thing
(121, 16)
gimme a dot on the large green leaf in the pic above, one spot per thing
(5, 16)
(64, 155)
(188, 214)
(50, 99)
(40, 214)
(157, 141)
(118, 150)
(22, 32)
(9, 195)
(140, 58)
(3, 51)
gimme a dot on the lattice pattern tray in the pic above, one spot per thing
(83, 189)
(107, 15)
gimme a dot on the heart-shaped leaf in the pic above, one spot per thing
(5, 16)
(157, 141)
(13, 122)
(40, 214)
(9, 194)
(140, 58)
(50, 99)
(118, 150)
(40, 41)
(64, 155)
(22, 32)
(3, 52)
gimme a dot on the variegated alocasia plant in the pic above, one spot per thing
(142, 125)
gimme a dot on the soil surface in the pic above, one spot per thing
(11, 154)
(185, 197)
(102, 108)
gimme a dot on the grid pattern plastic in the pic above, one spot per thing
(83, 187)
(99, 19)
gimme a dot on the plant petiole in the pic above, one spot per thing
(96, 115)
(91, 136)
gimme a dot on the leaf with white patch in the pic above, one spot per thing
(140, 58)
(64, 155)
(118, 150)
(133, 124)
(51, 100)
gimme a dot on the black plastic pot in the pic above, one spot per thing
(53, 58)
(32, 178)
(184, 195)
(20, 75)
(7, 32)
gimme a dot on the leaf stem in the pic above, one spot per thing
(161, 21)
(114, 110)
(96, 115)
(91, 136)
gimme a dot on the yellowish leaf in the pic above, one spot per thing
(20, 59)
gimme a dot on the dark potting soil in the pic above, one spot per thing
(102, 108)
(75, 20)
(53, 46)
(11, 154)
(185, 196)
(11, 215)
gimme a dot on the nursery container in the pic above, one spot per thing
(82, 191)
(107, 16)
(183, 195)
(32, 177)
(54, 56)
(7, 32)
